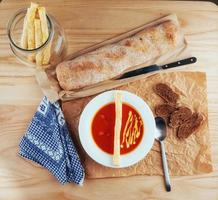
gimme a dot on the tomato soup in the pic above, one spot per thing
(103, 123)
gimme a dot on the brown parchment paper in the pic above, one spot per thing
(185, 157)
(49, 84)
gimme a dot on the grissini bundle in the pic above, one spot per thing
(35, 33)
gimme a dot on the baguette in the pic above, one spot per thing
(111, 60)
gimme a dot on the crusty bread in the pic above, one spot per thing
(164, 110)
(111, 60)
(166, 93)
(179, 117)
(186, 129)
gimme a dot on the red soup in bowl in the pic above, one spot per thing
(103, 123)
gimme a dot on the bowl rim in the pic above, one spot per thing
(99, 155)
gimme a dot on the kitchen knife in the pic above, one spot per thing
(153, 68)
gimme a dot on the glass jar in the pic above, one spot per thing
(55, 43)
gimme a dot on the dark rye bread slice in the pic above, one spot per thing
(179, 117)
(164, 110)
(190, 126)
(166, 93)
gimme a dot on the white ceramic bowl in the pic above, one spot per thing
(99, 155)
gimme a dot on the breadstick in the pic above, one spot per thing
(45, 34)
(30, 28)
(23, 42)
(38, 40)
(117, 128)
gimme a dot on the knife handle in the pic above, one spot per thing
(180, 62)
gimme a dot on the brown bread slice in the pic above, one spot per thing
(180, 116)
(164, 110)
(166, 93)
(190, 126)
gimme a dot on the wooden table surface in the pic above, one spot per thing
(85, 23)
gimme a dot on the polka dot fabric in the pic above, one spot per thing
(47, 142)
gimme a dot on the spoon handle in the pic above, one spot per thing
(165, 167)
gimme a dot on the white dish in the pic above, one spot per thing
(99, 155)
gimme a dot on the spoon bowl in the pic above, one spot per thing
(161, 132)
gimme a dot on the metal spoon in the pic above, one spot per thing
(160, 136)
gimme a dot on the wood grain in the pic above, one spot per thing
(86, 23)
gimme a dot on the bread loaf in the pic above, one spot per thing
(111, 60)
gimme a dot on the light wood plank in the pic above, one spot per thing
(86, 23)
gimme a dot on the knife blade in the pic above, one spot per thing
(152, 68)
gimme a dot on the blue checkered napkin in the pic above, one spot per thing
(48, 143)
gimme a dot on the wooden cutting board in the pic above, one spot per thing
(86, 23)
(185, 157)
